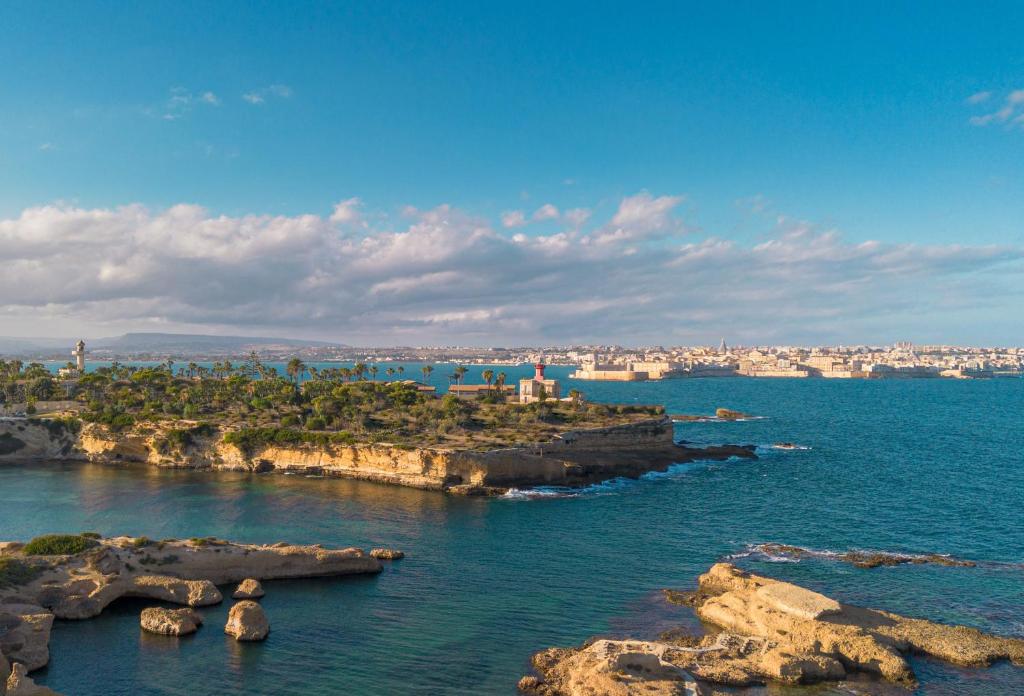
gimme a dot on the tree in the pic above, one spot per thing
(488, 376)
(577, 398)
(401, 371)
(389, 372)
(427, 370)
(460, 372)
(359, 370)
(373, 372)
(295, 369)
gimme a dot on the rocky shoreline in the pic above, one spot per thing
(574, 458)
(762, 630)
(77, 576)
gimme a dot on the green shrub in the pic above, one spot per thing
(92, 535)
(141, 542)
(58, 545)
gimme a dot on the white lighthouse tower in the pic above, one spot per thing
(79, 355)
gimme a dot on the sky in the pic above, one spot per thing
(514, 173)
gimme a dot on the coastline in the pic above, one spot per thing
(574, 458)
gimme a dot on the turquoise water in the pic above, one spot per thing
(923, 465)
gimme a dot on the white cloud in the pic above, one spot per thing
(260, 96)
(181, 101)
(513, 218)
(347, 212)
(1008, 113)
(47, 147)
(545, 212)
(444, 275)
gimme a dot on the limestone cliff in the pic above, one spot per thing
(576, 457)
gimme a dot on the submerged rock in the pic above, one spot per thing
(387, 554)
(170, 622)
(768, 630)
(250, 588)
(863, 559)
(247, 621)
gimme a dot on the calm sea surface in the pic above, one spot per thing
(924, 465)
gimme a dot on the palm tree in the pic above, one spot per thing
(359, 369)
(346, 373)
(373, 372)
(426, 370)
(401, 371)
(488, 376)
(390, 372)
(460, 372)
(295, 369)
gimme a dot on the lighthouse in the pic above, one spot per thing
(530, 389)
(79, 355)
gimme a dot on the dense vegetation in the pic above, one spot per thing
(256, 406)
(58, 545)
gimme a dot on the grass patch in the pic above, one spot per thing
(58, 545)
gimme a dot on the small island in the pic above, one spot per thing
(476, 439)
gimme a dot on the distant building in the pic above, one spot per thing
(79, 355)
(531, 389)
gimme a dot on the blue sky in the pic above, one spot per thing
(752, 120)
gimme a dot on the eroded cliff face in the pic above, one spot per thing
(575, 458)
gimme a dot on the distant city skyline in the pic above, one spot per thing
(454, 174)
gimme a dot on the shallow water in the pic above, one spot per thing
(910, 466)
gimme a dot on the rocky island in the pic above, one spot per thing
(762, 630)
(396, 432)
(76, 576)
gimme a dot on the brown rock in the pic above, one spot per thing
(170, 622)
(19, 684)
(247, 621)
(529, 684)
(387, 554)
(771, 631)
(250, 588)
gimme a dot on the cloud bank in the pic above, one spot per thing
(446, 276)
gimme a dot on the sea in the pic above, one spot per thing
(915, 466)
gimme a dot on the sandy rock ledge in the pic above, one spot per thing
(766, 631)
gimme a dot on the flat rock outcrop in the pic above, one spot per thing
(170, 622)
(247, 621)
(766, 631)
(387, 554)
(250, 588)
(39, 588)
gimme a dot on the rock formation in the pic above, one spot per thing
(863, 559)
(247, 621)
(170, 622)
(767, 630)
(19, 684)
(250, 588)
(35, 589)
(387, 554)
(571, 458)
(729, 414)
